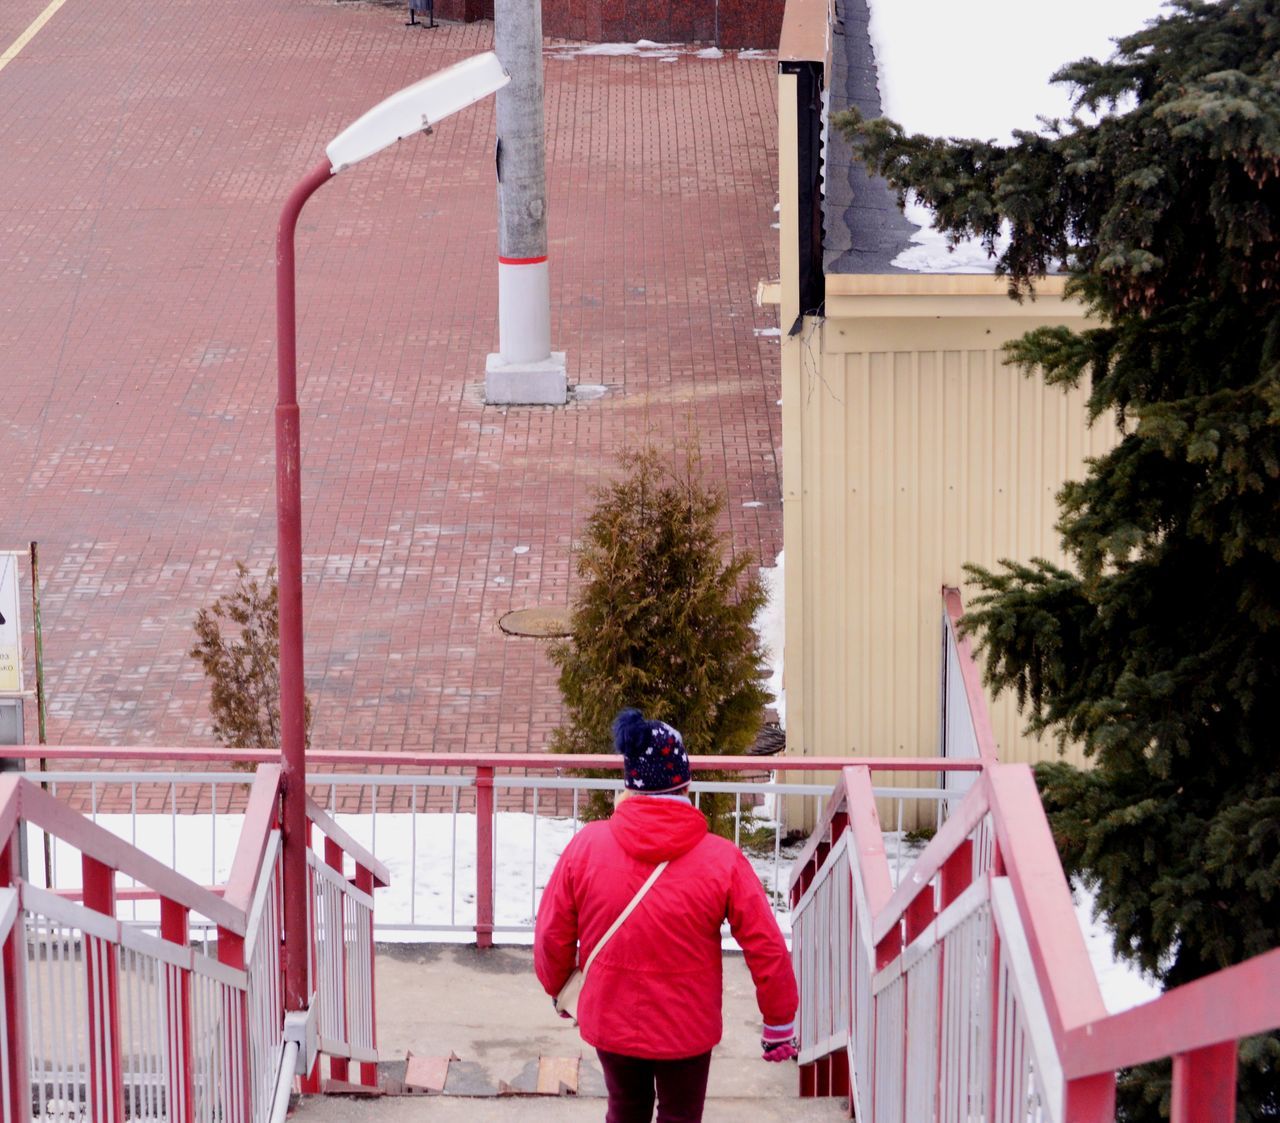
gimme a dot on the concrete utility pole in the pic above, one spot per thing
(525, 371)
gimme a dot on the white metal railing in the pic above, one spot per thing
(341, 963)
(106, 1003)
(946, 1022)
(1032, 1091)
(944, 1012)
(10, 915)
(821, 947)
(265, 993)
(109, 1018)
(427, 827)
(862, 1000)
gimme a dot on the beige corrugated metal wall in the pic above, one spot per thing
(910, 449)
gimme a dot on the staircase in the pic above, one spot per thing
(487, 1009)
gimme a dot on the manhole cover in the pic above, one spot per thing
(536, 622)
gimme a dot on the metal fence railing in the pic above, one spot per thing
(111, 1016)
(428, 827)
(968, 992)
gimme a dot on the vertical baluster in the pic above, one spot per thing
(1204, 1085)
(333, 857)
(175, 926)
(368, 1069)
(533, 879)
(235, 1028)
(453, 861)
(413, 853)
(213, 834)
(484, 856)
(107, 1102)
(40, 984)
(310, 1083)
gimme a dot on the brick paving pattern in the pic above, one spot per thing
(146, 150)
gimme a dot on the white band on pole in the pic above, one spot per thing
(524, 303)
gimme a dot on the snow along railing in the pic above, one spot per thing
(463, 866)
(112, 1019)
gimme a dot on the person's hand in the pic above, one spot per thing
(778, 1043)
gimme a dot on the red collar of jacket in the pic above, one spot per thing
(657, 830)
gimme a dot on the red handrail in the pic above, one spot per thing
(21, 799)
(349, 845)
(535, 762)
(260, 818)
(971, 677)
(1228, 1005)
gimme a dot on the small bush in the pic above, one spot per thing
(238, 645)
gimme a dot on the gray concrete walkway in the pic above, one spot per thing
(488, 1010)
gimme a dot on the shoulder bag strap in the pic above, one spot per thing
(625, 913)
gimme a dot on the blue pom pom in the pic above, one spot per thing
(630, 731)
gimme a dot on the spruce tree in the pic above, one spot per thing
(1159, 649)
(662, 620)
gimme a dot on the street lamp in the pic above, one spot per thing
(415, 109)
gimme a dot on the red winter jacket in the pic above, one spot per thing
(655, 989)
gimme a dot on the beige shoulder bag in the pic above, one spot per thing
(567, 999)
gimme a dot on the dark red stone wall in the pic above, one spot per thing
(726, 23)
(465, 11)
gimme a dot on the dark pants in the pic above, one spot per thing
(681, 1088)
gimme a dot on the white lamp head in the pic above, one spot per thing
(416, 108)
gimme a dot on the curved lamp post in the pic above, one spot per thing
(415, 109)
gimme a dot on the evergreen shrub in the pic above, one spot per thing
(662, 621)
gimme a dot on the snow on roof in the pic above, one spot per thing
(981, 69)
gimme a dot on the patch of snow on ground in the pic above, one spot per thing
(768, 333)
(982, 70)
(769, 625)
(1121, 983)
(755, 52)
(643, 48)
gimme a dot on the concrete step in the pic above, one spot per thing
(487, 1009)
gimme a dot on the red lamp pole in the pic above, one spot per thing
(293, 732)
(411, 110)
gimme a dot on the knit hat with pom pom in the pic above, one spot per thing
(655, 760)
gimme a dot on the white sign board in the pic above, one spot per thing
(10, 626)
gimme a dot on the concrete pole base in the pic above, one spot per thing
(526, 384)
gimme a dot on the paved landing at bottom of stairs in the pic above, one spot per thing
(460, 1109)
(487, 1009)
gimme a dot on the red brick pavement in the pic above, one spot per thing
(146, 149)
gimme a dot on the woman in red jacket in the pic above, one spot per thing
(651, 1001)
